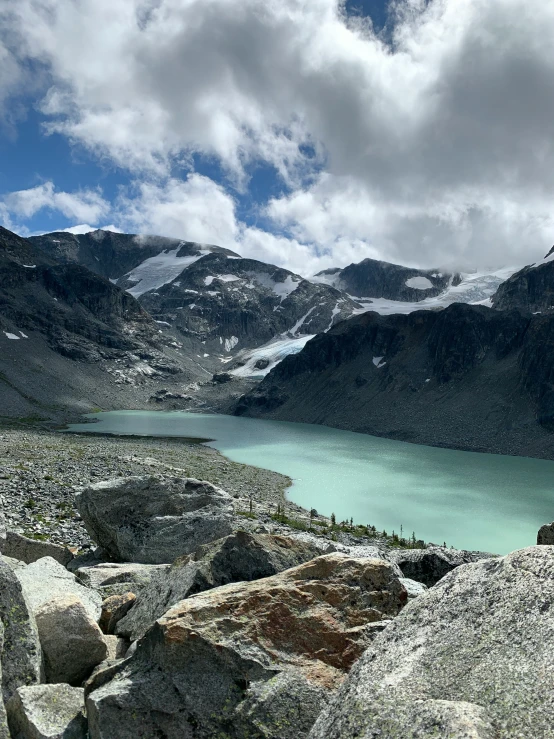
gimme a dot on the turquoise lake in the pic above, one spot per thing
(488, 502)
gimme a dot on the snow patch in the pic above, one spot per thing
(274, 352)
(281, 289)
(12, 336)
(334, 312)
(24, 336)
(476, 288)
(231, 343)
(30, 266)
(378, 362)
(298, 325)
(419, 283)
(221, 278)
(161, 269)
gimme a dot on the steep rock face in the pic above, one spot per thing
(111, 255)
(67, 334)
(83, 316)
(529, 290)
(472, 653)
(232, 303)
(467, 376)
(372, 278)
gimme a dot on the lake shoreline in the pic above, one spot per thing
(441, 494)
(41, 471)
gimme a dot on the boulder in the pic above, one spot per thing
(475, 652)
(284, 707)
(21, 653)
(13, 564)
(413, 588)
(241, 556)
(221, 377)
(112, 578)
(546, 534)
(47, 712)
(117, 647)
(71, 640)
(4, 731)
(430, 565)
(27, 550)
(113, 610)
(46, 579)
(425, 719)
(205, 668)
(152, 520)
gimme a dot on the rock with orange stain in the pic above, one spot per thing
(236, 558)
(252, 659)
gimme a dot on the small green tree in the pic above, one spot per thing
(333, 519)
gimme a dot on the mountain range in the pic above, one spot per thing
(109, 320)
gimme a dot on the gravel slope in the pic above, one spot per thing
(40, 472)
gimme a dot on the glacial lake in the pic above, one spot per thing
(488, 502)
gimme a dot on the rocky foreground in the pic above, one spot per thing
(187, 616)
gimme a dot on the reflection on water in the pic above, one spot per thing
(472, 501)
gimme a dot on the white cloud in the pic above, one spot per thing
(84, 228)
(196, 209)
(84, 205)
(200, 210)
(437, 149)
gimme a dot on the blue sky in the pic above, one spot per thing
(285, 131)
(30, 156)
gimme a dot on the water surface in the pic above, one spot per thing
(472, 501)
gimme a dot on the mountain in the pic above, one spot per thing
(218, 303)
(230, 303)
(467, 377)
(113, 255)
(70, 338)
(372, 278)
(529, 290)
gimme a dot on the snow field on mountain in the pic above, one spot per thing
(274, 352)
(475, 288)
(159, 270)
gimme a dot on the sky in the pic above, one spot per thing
(305, 133)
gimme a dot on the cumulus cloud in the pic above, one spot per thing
(433, 148)
(199, 209)
(196, 209)
(84, 205)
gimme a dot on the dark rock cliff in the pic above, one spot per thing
(70, 338)
(529, 290)
(468, 377)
